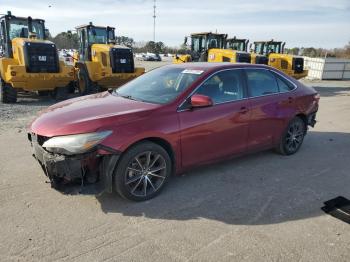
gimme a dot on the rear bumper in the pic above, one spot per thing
(311, 119)
(88, 173)
(115, 80)
(19, 78)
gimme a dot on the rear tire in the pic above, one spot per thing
(60, 93)
(8, 94)
(43, 93)
(85, 85)
(142, 171)
(293, 137)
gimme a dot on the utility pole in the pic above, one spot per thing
(154, 21)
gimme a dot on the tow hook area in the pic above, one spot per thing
(83, 174)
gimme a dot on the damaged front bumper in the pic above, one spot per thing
(89, 173)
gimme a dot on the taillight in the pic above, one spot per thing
(317, 97)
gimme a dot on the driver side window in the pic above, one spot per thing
(225, 86)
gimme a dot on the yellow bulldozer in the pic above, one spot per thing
(272, 54)
(100, 63)
(201, 45)
(234, 51)
(213, 47)
(28, 62)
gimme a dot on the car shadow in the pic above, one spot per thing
(263, 188)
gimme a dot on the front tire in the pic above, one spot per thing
(85, 85)
(292, 137)
(8, 94)
(60, 93)
(142, 171)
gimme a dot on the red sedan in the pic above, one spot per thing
(169, 120)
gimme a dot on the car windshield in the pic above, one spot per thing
(19, 28)
(159, 86)
(98, 35)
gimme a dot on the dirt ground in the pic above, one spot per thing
(261, 207)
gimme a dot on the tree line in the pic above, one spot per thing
(67, 40)
(321, 52)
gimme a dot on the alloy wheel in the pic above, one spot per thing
(294, 136)
(145, 173)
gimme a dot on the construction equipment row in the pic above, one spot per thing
(29, 62)
(213, 47)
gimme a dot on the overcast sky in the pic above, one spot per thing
(318, 23)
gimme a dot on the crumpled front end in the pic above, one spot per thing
(88, 173)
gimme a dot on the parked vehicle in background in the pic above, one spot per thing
(66, 56)
(151, 57)
(29, 62)
(201, 44)
(169, 120)
(100, 63)
(272, 53)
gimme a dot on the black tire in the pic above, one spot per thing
(293, 137)
(43, 93)
(131, 175)
(8, 94)
(85, 85)
(60, 93)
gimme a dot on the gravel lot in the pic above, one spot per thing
(262, 207)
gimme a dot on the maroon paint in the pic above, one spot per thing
(197, 135)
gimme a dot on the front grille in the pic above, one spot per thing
(298, 64)
(41, 58)
(243, 57)
(41, 139)
(122, 60)
(263, 60)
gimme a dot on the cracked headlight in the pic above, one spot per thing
(75, 144)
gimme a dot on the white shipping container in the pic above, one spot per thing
(327, 68)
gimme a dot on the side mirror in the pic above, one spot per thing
(201, 101)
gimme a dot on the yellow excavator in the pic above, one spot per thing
(201, 45)
(234, 51)
(29, 62)
(100, 63)
(272, 53)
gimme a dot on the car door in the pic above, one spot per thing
(219, 130)
(286, 106)
(264, 103)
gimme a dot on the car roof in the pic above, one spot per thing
(216, 66)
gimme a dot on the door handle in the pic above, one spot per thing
(243, 110)
(289, 100)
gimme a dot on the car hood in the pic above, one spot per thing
(88, 114)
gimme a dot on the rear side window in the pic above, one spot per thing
(284, 85)
(261, 83)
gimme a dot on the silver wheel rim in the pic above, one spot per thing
(294, 137)
(145, 174)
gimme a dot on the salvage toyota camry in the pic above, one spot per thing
(167, 121)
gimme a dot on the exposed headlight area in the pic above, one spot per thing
(75, 144)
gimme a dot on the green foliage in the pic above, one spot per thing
(321, 52)
(66, 40)
(124, 40)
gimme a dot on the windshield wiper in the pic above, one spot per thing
(127, 96)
